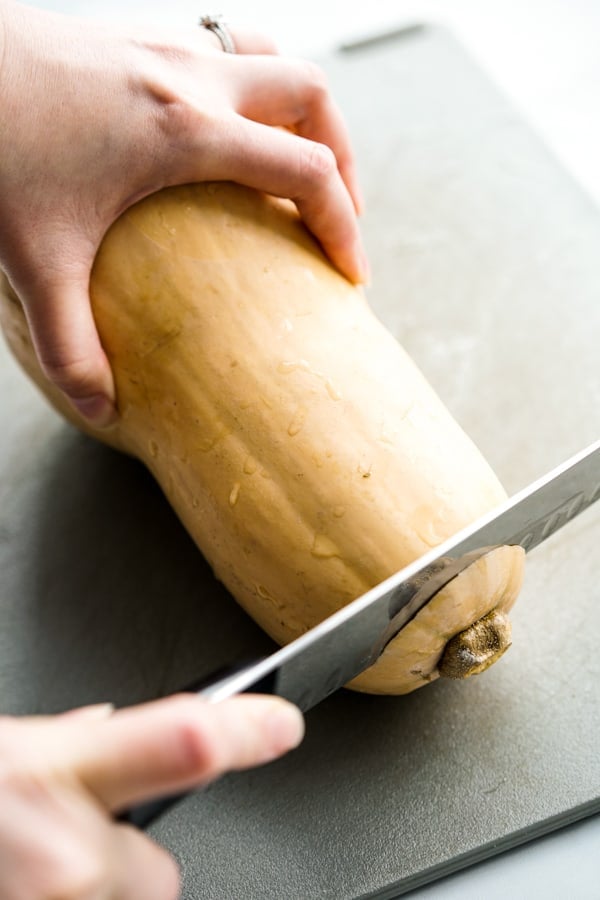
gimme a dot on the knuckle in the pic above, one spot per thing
(267, 45)
(76, 377)
(315, 80)
(173, 53)
(197, 751)
(74, 871)
(177, 118)
(189, 128)
(319, 163)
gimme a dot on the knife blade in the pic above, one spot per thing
(342, 646)
(313, 666)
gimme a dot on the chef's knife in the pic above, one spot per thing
(352, 639)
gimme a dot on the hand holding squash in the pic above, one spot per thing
(93, 118)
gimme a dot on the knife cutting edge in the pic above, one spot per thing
(313, 666)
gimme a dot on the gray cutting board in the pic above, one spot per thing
(486, 266)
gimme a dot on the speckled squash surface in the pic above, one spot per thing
(298, 443)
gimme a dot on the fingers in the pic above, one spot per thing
(62, 774)
(140, 868)
(68, 347)
(94, 711)
(307, 157)
(181, 742)
(294, 94)
(286, 165)
(55, 840)
(247, 41)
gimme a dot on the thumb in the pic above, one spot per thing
(180, 742)
(68, 346)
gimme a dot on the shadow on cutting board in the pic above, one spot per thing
(124, 605)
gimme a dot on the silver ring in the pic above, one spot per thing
(218, 27)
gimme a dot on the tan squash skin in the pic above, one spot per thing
(298, 443)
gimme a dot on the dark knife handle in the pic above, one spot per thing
(145, 813)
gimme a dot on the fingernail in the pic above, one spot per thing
(99, 711)
(94, 711)
(359, 200)
(285, 726)
(98, 410)
(360, 262)
(364, 268)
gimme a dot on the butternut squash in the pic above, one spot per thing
(296, 440)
